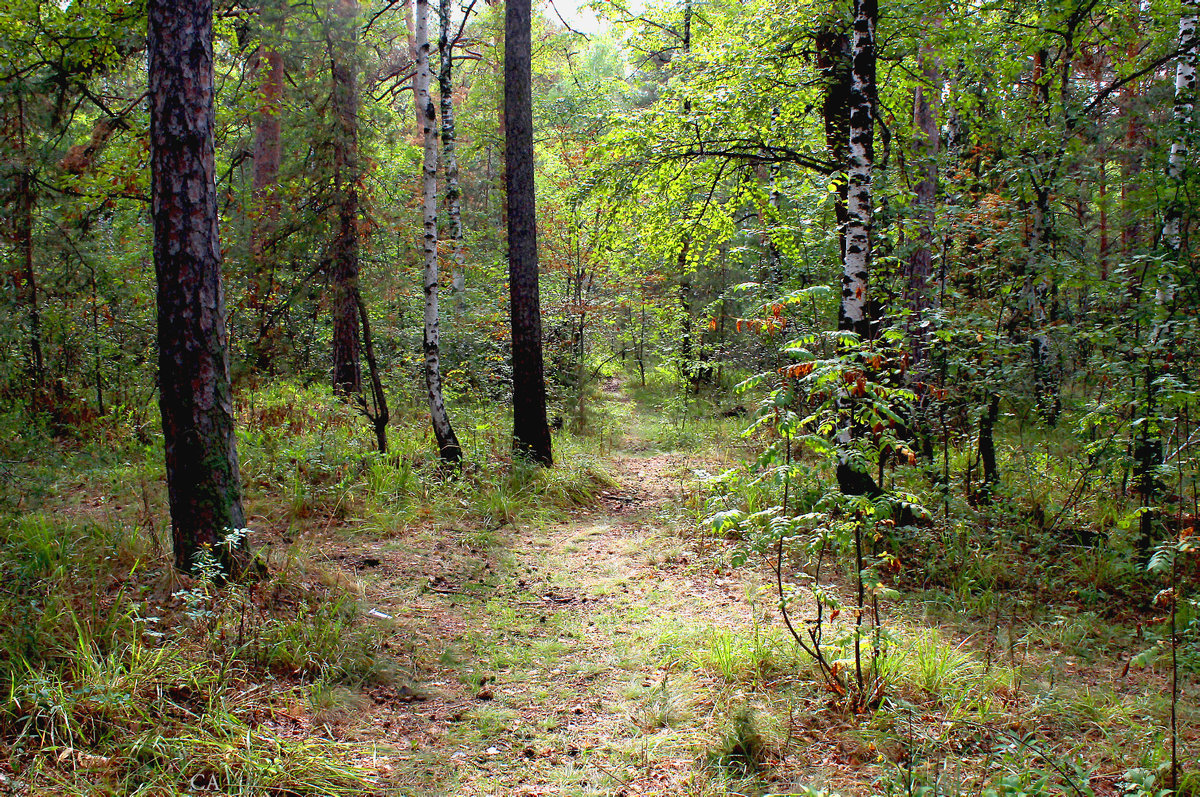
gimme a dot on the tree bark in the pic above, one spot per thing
(1149, 449)
(834, 61)
(856, 263)
(686, 349)
(448, 447)
(25, 275)
(987, 446)
(28, 276)
(531, 433)
(920, 262)
(458, 280)
(265, 203)
(347, 372)
(195, 396)
(853, 312)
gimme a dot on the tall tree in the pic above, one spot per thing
(1148, 450)
(834, 61)
(195, 396)
(853, 313)
(24, 220)
(267, 66)
(531, 432)
(351, 324)
(919, 268)
(447, 442)
(347, 372)
(454, 224)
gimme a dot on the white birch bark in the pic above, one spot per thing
(1185, 105)
(447, 442)
(856, 265)
(1148, 450)
(458, 278)
(856, 262)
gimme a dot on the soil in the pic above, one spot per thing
(526, 661)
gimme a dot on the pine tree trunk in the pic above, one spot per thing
(347, 372)
(28, 276)
(195, 396)
(686, 349)
(25, 275)
(920, 262)
(531, 433)
(268, 69)
(987, 446)
(447, 442)
(458, 280)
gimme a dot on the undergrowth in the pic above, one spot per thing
(118, 675)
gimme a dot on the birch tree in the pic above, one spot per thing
(448, 447)
(450, 152)
(1149, 450)
(853, 313)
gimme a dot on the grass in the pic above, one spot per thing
(106, 678)
(620, 655)
(115, 669)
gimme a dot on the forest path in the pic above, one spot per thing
(540, 659)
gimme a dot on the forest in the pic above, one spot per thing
(676, 397)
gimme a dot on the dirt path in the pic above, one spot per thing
(540, 664)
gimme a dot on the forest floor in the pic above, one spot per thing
(616, 652)
(540, 657)
(438, 640)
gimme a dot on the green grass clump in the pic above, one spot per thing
(114, 672)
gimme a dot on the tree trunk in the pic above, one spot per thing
(268, 68)
(920, 262)
(686, 350)
(987, 446)
(1149, 449)
(25, 275)
(347, 372)
(24, 236)
(458, 280)
(834, 61)
(377, 414)
(856, 263)
(195, 396)
(531, 433)
(447, 442)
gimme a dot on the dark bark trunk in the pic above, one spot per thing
(531, 433)
(268, 67)
(28, 276)
(920, 262)
(686, 349)
(376, 411)
(833, 59)
(203, 487)
(347, 372)
(987, 446)
(685, 310)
